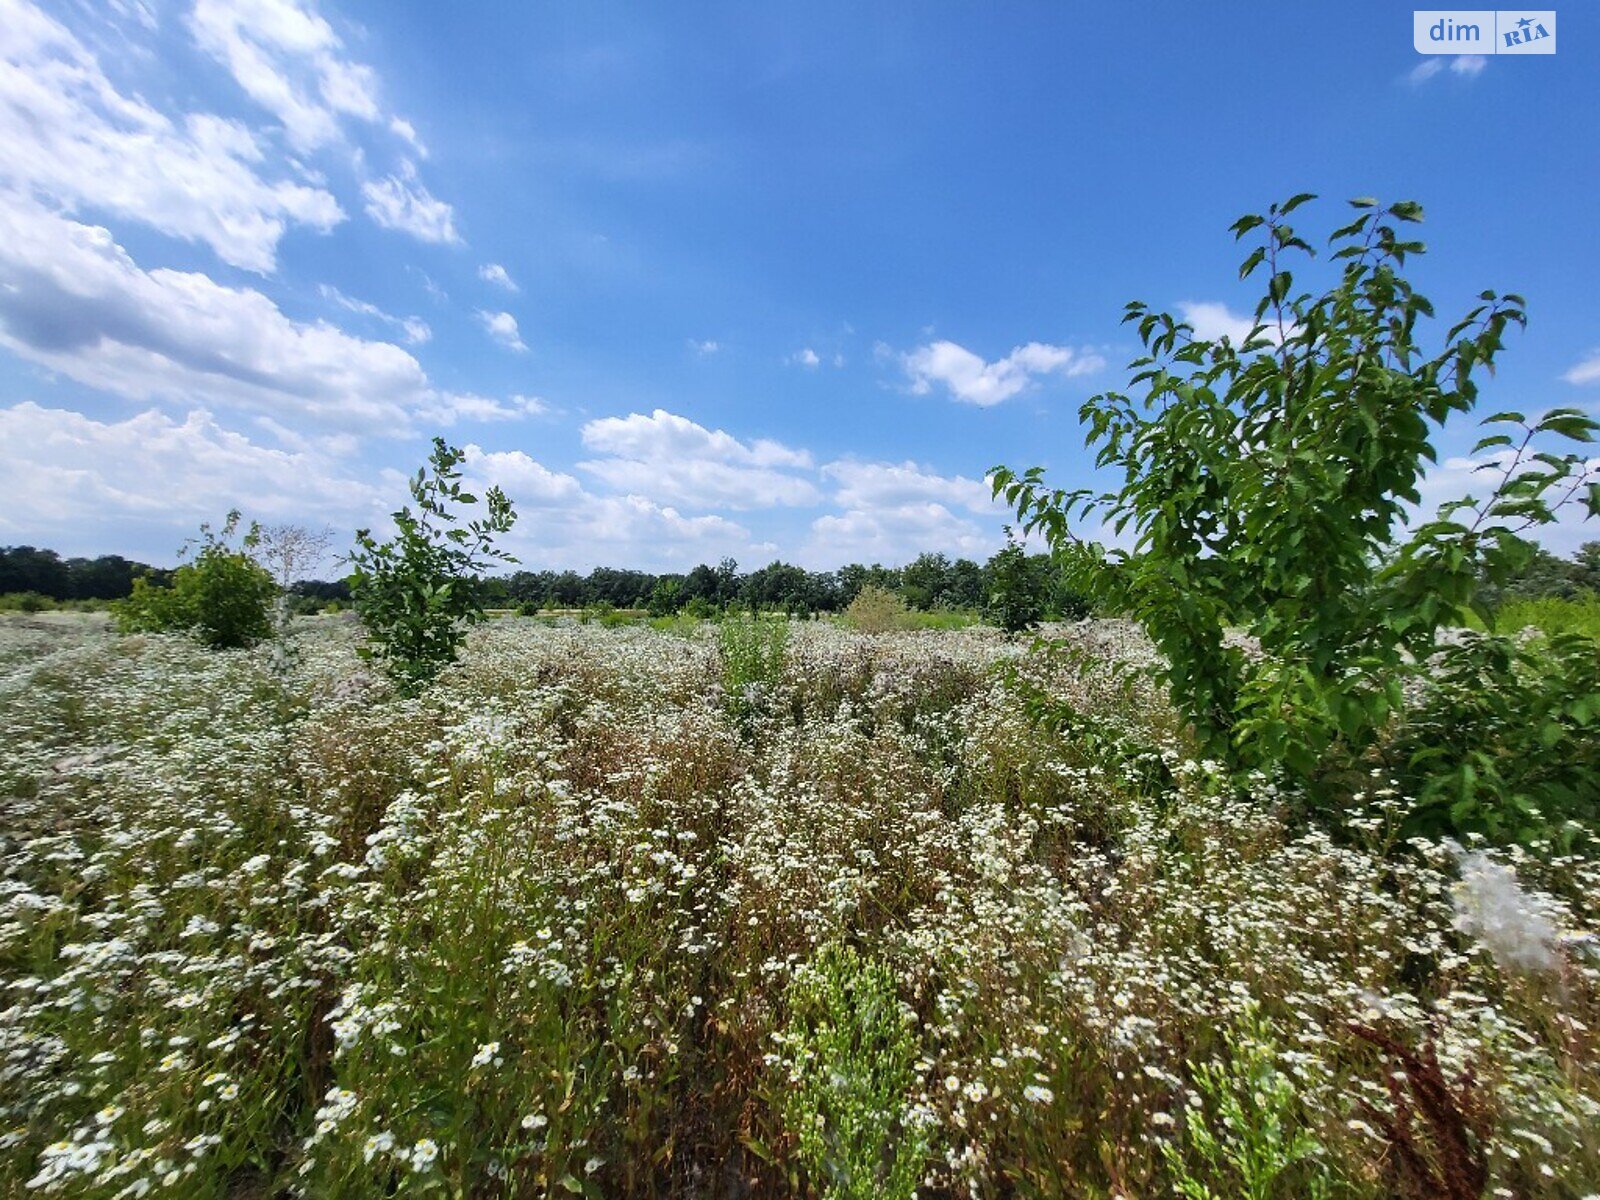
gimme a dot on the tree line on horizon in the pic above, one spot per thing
(931, 581)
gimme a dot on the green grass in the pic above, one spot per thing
(913, 619)
(942, 618)
(1552, 614)
(32, 602)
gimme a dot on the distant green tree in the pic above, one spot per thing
(28, 569)
(1586, 567)
(566, 590)
(853, 577)
(1017, 594)
(1545, 575)
(728, 582)
(925, 581)
(700, 585)
(417, 592)
(965, 586)
(108, 577)
(779, 586)
(223, 598)
(666, 597)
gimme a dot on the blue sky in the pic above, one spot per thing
(700, 280)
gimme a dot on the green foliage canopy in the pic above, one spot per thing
(417, 592)
(1269, 484)
(224, 597)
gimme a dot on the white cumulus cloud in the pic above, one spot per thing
(73, 300)
(415, 330)
(1212, 321)
(496, 274)
(668, 457)
(69, 135)
(525, 480)
(868, 485)
(568, 525)
(896, 535)
(972, 380)
(402, 203)
(288, 59)
(145, 482)
(1587, 371)
(1468, 66)
(502, 327)
(891, 512)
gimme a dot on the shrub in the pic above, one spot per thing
(942, 618)
(27, 602)
(1268, 485)
(753, 649)
(224, 597)
(665, 598)
(417, 592)
(876, 610)
(1506, 741)
(1016, 593)
(850, 1069)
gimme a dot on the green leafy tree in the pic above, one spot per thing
(666, 597)
(1505, 741)
(223, 598)
(925, 581)
(1016, 593)
(417, 592)
(1269, 483)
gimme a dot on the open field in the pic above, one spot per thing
(570, 924)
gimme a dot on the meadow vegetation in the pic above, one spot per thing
(1273, 881)
(623, 912)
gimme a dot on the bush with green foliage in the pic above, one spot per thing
(26, 602)
(1268, 485)
(1016, 598)
(876, 610)
(1506, 741)
(223, 598)
(851, 1070)
(417, 592)
(753, 649)
(666, 597)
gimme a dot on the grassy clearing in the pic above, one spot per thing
(1552, 614)
(644, 913)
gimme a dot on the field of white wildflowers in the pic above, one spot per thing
(586, 920)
